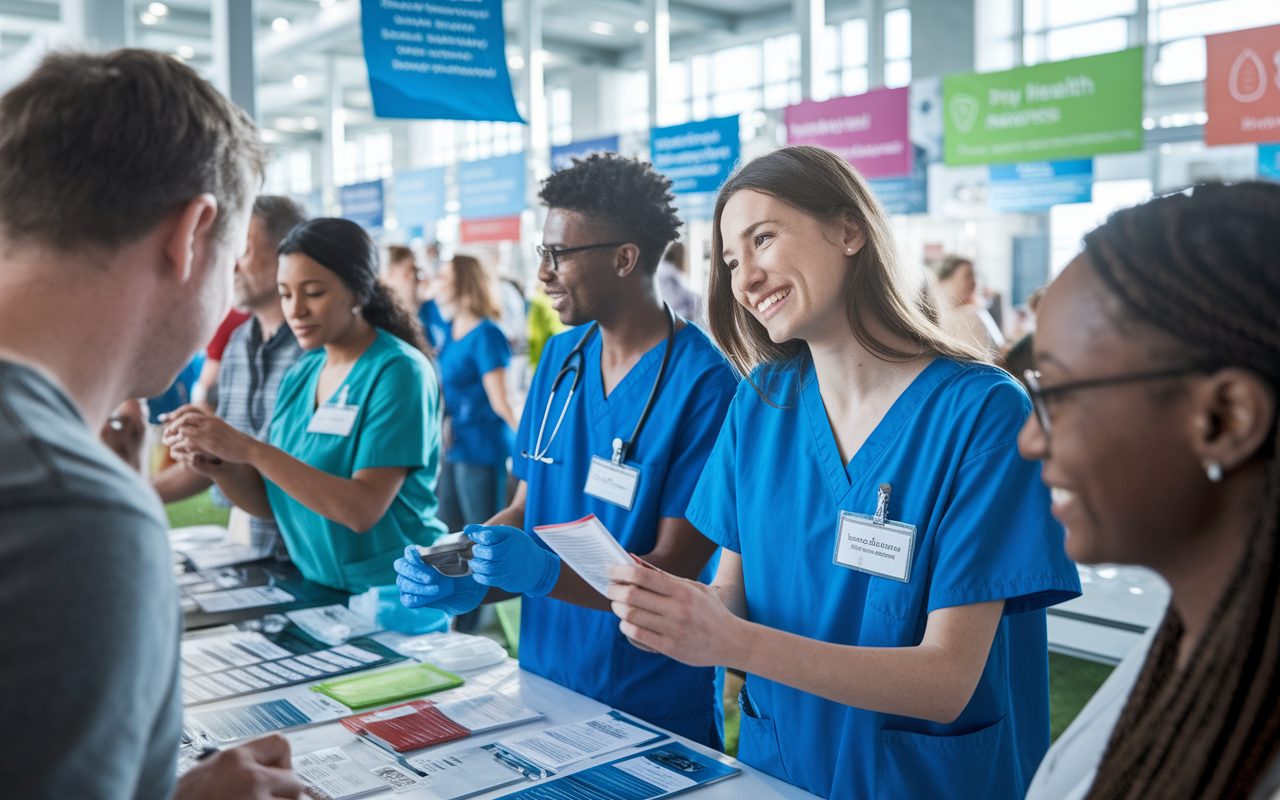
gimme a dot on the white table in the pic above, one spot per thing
(560, 705)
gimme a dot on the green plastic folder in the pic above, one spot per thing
(390, 686)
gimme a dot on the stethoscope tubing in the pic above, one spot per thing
(578, 353)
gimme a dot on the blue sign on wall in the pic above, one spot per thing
(420, 198)
(1269, 162)
(908, 194)
(696, 156)
(1037, 185)
(562, 156)
(437, 60)
(362, 203)
(492, 188)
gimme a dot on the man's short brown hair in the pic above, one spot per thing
(97, 149)
(397, 253)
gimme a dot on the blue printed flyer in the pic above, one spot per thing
(663, 771)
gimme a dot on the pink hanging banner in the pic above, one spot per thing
(867, 130)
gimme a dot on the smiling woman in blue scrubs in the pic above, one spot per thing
(350, 470)
(888, 554)
(610, 219)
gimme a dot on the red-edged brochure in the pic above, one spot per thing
(409, 726)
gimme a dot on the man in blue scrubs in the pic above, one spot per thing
(609, 222)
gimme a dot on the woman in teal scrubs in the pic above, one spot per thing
(350, 470)
(887, 553)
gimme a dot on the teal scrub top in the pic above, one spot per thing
(773, 489)
(397, 425)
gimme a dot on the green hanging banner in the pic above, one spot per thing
(1048, 112)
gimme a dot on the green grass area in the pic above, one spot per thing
(1072, 681)
(197, 510)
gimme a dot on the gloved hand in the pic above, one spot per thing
(421, 585)
(510, 559)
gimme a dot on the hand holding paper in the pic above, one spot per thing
(588, 547)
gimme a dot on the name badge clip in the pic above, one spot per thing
(876, 544)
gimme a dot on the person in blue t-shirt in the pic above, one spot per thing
(609, 221)
(473, 371)
(350, 470)
(888, 555)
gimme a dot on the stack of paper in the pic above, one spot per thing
(587, 547)
(422, 723)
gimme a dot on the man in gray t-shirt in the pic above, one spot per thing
(81, 537)
(125, 184)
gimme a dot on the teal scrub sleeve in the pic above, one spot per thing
(398, 409)
(492, 349)
(713, 507)
(996, 539)
(701, 420)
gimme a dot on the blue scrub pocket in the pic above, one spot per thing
(976, 764)
(758, 740)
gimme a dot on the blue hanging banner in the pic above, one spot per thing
(491, 188)
(562, 156)
(444, 59)
(1269, 162)
(1037, 185)
(362, 203)
(420, 199)
(697, 157)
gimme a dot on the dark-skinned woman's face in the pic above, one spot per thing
(1126, 482)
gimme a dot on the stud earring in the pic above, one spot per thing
(1214, 471)
(355, 310)
(849, 250)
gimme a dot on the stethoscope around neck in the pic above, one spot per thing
(576, 362)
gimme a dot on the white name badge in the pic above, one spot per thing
(333, 418)
(612, 483)
(884, 550)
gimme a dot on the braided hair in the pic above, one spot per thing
(342, 247)
(1204, 267)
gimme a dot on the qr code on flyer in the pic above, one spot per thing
(398, 779)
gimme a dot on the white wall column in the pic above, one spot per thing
(334, 136)
(811, 18)
(234, 65)
(657, 55)
(875, 43)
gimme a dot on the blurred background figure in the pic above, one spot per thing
(413, 291)
(960, 313)
(473, 367)
(673, 286)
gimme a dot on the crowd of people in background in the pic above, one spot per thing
(821, 397)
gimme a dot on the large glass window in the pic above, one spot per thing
(365, 157)
(288, 173)
(897, 48)
(560, 115)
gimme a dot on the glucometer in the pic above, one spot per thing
(451, 559)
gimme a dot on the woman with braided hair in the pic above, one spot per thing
(1158, 350)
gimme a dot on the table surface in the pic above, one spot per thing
(560, 705)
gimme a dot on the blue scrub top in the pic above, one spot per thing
(579, 647)
(772, 491)
(398, 425)
(434, 325)
(479, 435)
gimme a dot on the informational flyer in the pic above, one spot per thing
(556, 748)
(661, 772)
(587, 546)
(299, 708)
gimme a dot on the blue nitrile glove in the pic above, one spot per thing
(510, 559)
(421, 585)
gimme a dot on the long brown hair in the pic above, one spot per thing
(878, 294)
(473, 288)
(1205, 268)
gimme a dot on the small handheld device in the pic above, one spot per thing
(451, 559)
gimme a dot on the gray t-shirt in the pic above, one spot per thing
(90, 625)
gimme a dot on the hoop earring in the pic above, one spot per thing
(1214, 472)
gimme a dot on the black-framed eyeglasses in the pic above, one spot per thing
(547, 254)
(1041, 395)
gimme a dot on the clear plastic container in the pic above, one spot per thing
(381, 605)
(453, 651)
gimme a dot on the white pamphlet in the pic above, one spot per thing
(298, 708)
(488, 711)
(335, 774)
(556, 747)
(235, 599)
(587, 547)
